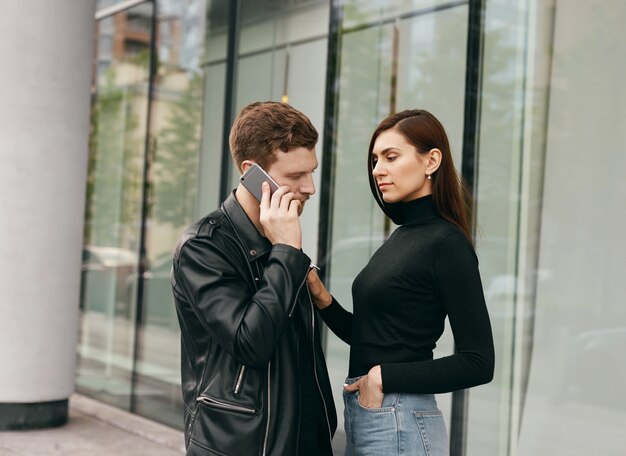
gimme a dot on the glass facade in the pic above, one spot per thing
(543, 146)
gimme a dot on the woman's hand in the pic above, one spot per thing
(279, 217)
(370, 388)
(320, 295)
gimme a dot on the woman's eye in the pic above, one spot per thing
(391, 158)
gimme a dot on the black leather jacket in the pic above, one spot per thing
(237, 299)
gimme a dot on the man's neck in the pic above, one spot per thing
(250, 206)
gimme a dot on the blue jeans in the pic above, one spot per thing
(405, 424)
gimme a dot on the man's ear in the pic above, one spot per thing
(434, 160)
(245, 165)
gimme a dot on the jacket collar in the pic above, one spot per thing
(255, 244)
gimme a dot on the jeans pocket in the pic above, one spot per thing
(372, 431)
(432, 429)
(389, 403)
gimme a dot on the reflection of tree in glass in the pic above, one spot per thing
(114, 169)
(176, 157)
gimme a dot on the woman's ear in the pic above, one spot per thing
(434, 160)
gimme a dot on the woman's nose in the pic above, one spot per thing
(377, 170)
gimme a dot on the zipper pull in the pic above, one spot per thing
(239, 381)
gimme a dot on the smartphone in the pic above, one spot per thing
(254, 177)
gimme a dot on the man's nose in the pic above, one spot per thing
(308, 186)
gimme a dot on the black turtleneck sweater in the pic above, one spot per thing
(425, 271)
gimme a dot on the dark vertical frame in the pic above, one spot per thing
(469, 171)
(230, 92)
(473, 93)
(145, 208)
(329, 140)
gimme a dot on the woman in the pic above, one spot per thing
(425, 271)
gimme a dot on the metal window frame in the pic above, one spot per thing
(469, 172)
(230, 93)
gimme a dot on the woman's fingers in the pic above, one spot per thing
(369, 395)
(352, 387)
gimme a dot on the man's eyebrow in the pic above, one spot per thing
(294, 173)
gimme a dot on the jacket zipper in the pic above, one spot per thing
(225, 405)
(239, 379)
(295, 301)
(269, 408)
(269, 389)
(315, 367)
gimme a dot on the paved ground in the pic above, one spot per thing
(95, 429)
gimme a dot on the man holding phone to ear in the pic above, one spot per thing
(254, 378)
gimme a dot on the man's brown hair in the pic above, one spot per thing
(263, 127)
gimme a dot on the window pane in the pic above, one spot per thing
(551, 223)
(113, 210)
(176, 141)
(577, 373)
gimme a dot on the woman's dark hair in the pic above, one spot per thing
(450, 194)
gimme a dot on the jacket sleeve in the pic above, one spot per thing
(245, 323)
(459, 288)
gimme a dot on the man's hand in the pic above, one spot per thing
(279, 217)
(320, 295)
(370, 388)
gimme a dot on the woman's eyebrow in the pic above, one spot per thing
(385, 151)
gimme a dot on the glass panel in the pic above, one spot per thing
(577, 371)
(430, 55)
(113, 210)
(551, 226)
(360, 12)
(214, 68)
(498, 207)
(176, 129)
(213, 125)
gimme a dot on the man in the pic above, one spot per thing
(254, 378)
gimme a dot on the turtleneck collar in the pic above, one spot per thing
(413, 212)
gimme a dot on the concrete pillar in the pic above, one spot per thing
(46, 50)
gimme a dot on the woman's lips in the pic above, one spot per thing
(383, 185)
